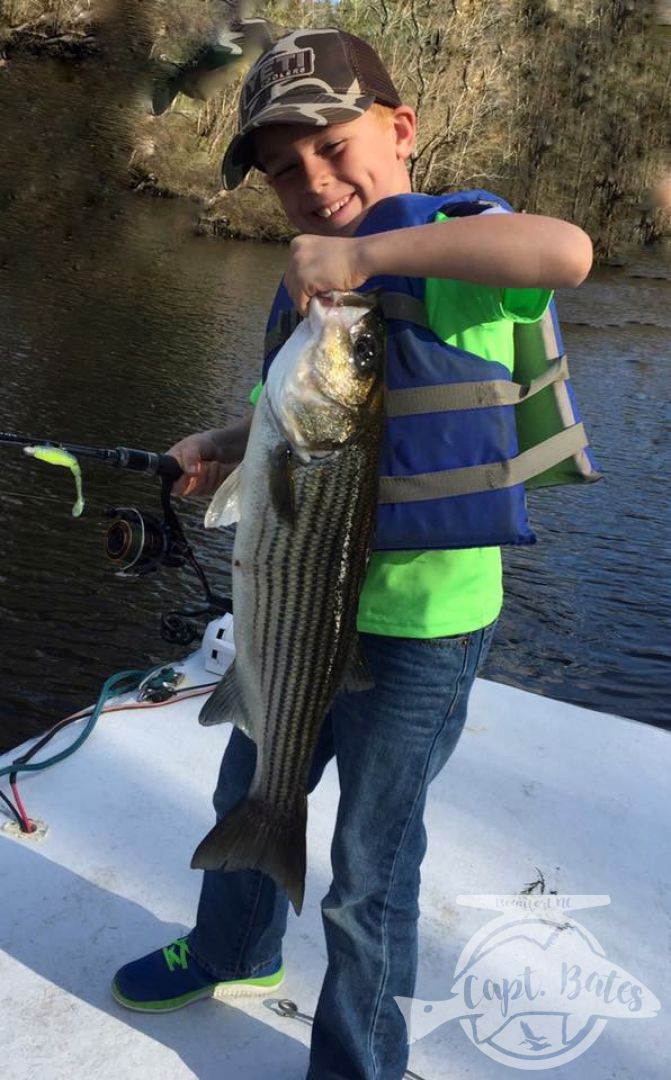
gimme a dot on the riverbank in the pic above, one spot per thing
(562, 109)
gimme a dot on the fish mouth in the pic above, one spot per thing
(366, 300)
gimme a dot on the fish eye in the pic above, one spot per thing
(364, 353)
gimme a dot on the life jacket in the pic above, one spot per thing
(462, 435)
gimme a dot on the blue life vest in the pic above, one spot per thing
(452, 469)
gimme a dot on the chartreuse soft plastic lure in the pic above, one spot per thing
(53, 455)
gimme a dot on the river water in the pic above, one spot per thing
(135, 332)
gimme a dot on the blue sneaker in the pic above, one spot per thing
(170, 978)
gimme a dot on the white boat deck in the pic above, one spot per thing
(534, 785)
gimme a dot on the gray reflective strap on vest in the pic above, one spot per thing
(403, 306)
(476, 478)
(443, 398)
(474, 395)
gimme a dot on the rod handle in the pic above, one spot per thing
(168, 466)
(147, 461)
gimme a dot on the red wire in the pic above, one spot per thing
(28, 825)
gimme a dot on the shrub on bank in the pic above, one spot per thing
(562, 106)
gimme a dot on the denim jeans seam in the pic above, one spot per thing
(385, 950)
(487, 634)
(226, 977)
(455, 696)
(244, 937)
(422, 787)
(241, 942)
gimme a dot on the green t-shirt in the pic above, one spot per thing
(422, 594)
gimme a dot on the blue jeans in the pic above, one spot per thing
(389, 743)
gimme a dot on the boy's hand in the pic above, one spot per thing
(208, 457)
(319, 264)
(202, 472)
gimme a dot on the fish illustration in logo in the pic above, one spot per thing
(553, 980)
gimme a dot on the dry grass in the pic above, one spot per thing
(57, 15)
(560, 105)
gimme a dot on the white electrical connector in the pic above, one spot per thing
(218, 648)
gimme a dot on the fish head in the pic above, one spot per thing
(326, 381)
(349, 347)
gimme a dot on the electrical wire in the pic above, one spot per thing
(36, 747)
(197, 690)
(15, 812)
(26, 824)
(21, 764)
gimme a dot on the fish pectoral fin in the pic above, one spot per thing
(281, 483)
(225, 705)
(225, 506)
(357, 675)
(257, 835)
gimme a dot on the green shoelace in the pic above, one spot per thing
(175, 954)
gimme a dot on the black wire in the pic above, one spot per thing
(48, 736)
(32, 750)
(14, 811)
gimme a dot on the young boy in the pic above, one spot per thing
(320, 116)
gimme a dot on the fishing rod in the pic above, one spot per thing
(136, 542)
(121, 456)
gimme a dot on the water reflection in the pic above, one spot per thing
(165, 342)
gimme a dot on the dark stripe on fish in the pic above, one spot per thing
(301, 552)
(325, 573)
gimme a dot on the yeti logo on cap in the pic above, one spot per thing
(280, 66)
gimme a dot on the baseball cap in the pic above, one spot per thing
(314, 77)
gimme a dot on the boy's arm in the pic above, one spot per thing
(514, 250)
(208, 457)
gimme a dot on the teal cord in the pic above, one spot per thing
(132, 677)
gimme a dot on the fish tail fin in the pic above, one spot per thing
(257, 835)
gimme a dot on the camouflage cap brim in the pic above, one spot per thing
(318, 111)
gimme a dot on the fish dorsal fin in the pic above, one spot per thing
(225, 506)
(225, 705)
(357, 673)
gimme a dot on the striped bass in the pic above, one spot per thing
(304, 497)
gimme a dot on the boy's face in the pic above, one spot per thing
(327, 178)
